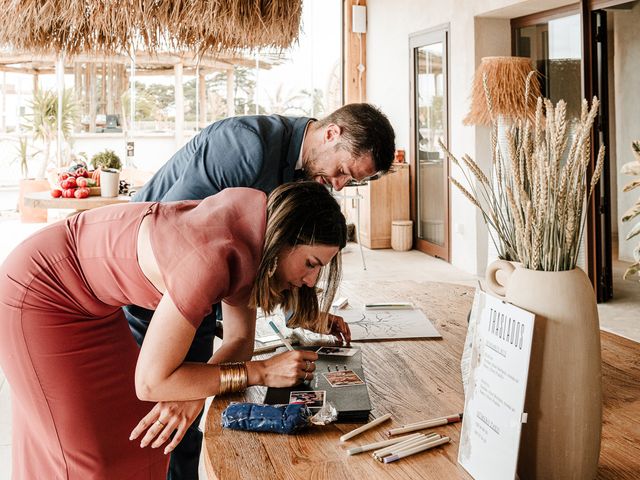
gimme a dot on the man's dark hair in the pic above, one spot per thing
(365, 129)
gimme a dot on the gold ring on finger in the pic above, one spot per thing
(305, 375)
(163, 425)
(307, 366)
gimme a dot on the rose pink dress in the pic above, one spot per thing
(65, 345)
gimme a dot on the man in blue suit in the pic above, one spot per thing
(353, 143)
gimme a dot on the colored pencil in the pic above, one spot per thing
(383, 452)
(435, 422)
(383, 443)
(364, 428)
(417, 449)
(284, 340)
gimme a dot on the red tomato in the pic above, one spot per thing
(82, 193)
(56, 193)
(68, 192)
(81, 182)
(63, 176)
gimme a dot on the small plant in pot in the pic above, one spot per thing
(106, 159)
(109, 165)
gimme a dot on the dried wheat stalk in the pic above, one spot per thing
(537, 194)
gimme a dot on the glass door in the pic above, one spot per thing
(555, 44)
(429, 167)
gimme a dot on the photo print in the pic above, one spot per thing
(337, 351)
(343, 378)
(311, 398)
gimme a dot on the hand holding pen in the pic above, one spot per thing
(339, 329)
(288, 368)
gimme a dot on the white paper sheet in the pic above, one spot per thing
(388, 324)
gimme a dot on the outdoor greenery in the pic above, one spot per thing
(22, 155)
(43, 121)
(156, 102)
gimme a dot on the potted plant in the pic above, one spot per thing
(22, 155)
(43, 121)
(106, 159)
(29, 185)
(633, 169)
(109, 165)
(536, 197)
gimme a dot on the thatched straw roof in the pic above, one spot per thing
(120, 26)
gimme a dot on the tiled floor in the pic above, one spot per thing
(620, 316)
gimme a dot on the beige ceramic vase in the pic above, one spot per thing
(561, 439)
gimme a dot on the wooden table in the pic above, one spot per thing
(414, 380)
(45, 200)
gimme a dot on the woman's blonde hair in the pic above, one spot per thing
(300, 213)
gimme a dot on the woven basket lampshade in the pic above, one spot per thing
(505, 79)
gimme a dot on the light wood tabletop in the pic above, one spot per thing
(45, 200)
(412, 380)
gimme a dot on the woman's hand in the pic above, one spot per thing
(339, 329)
(289, 368)
(165, 418)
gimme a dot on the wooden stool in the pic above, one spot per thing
(401, 235)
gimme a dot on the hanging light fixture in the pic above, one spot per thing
(502, 82)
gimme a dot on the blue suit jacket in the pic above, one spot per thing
(257, 151)
(254, 151)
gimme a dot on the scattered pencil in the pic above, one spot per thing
(366, 427)
(435, 422)
(389, 306)
(416, 449)
(383, 443)
(392, 449)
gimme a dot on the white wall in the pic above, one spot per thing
(626, 71)
(151, 150)
(474, 33)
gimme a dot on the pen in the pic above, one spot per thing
(284, 340)
(389, 306)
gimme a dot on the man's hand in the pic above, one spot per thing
(339, 329)
(165, 418)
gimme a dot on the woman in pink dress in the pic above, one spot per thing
(80, 385)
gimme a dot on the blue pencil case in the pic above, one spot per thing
(255, 417)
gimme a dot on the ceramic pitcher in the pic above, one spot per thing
(561, 439)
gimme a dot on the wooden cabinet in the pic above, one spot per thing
(382, 201)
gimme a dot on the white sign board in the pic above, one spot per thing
(497, 383)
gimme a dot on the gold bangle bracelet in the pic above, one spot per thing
(233, 377)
